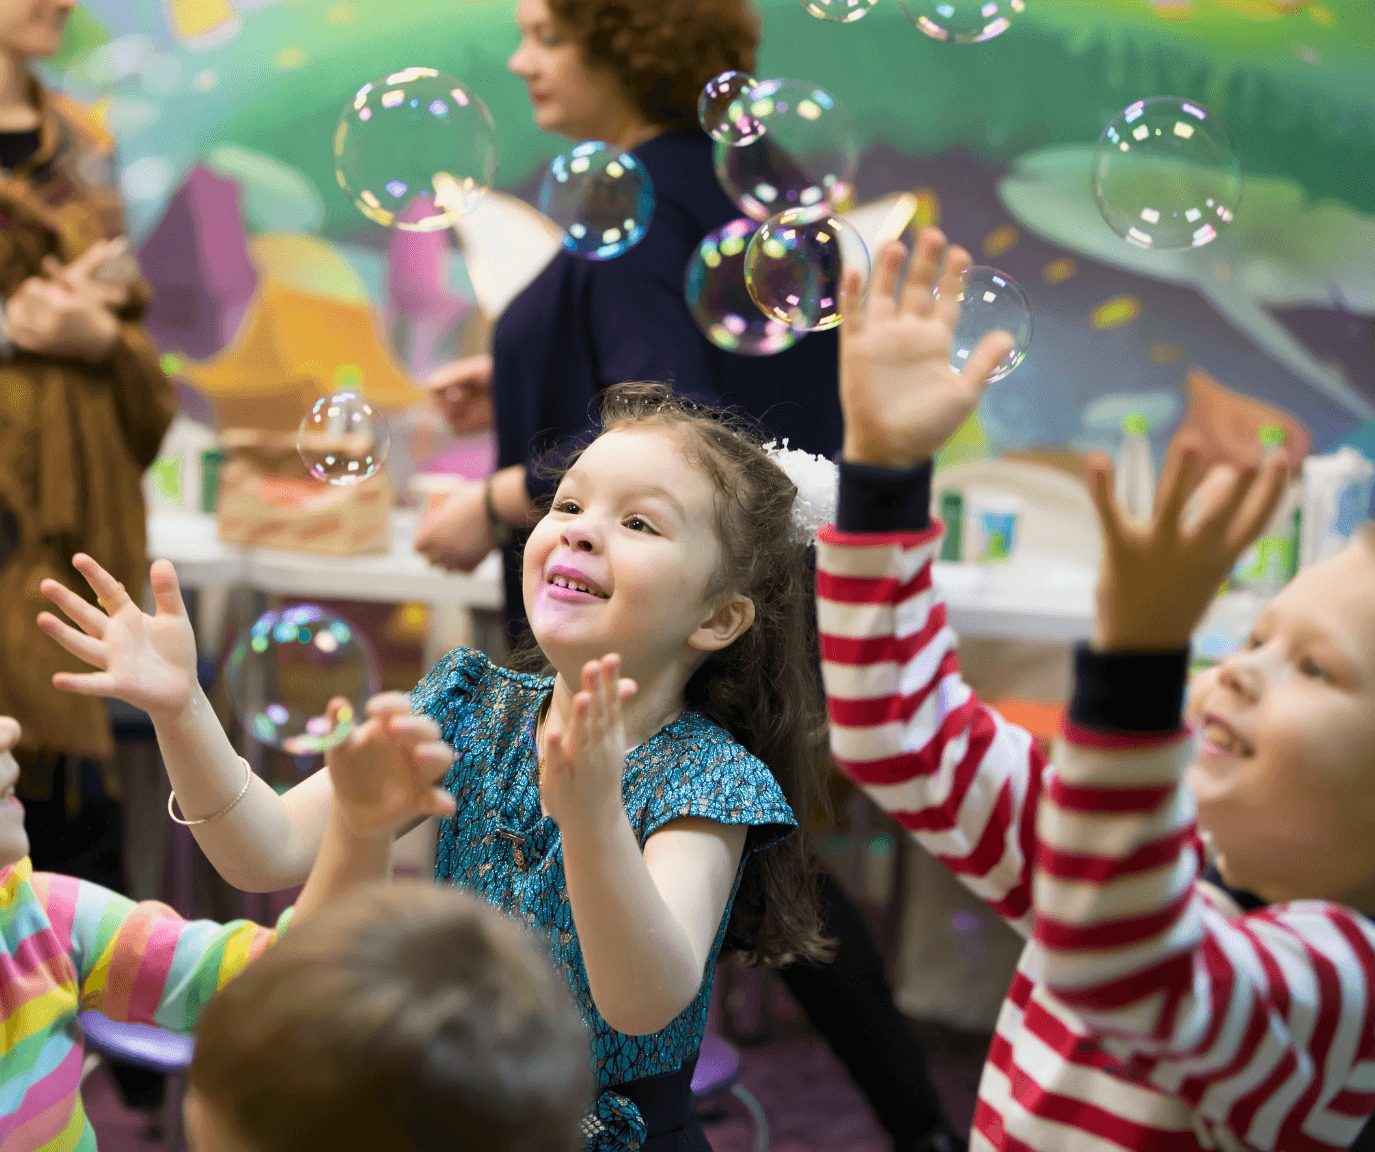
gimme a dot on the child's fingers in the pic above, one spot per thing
(389, 704)
(946, 307)
(109, 591)
(85, 683)
(1100, 490)
(442, 803)
(1176, 483)
(1257, 507)
(162, 576)
(853, 321)
(628, 688)
(408, 731)
(89, 617)
(80, 645)
(887, 270)
(924, 272)
(991, 351)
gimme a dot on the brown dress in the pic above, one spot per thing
(75, 438)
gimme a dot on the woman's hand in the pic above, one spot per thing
(581, 769)
(146, 661)
(106, 272)
(463, 392)
(455, 534)
(50, 318)
(385, 773)
(900, 398)
(1158, 579)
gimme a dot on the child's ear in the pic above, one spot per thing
(724, 626)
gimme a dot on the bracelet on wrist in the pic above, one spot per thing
(502, 533)
(248, 779)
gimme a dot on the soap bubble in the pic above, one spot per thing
(794, 264)
(723, 109)
(720, 301)
(343, 439)
(991, 301)
(284, 670)
(963, 21)
(601, 197)
(415, 149)
(808, 154)
(1166, 175)
(838, 11)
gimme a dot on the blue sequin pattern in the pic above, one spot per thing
(500, 846)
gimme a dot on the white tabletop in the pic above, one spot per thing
(190, 540)
(1029, 598)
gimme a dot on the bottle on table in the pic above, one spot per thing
(1270, 563)
(1135, 471)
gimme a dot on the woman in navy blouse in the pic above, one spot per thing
(628, 72)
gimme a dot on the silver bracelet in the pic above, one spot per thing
(248, 779)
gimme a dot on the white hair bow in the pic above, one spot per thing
(817, 480)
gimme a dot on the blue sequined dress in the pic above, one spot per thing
(500, 846)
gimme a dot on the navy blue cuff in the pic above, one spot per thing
(877, 499)
(1136, 692)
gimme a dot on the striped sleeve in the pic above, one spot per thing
(142, 963)
(1261, 1023)
(908, 729)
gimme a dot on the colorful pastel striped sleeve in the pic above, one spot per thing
(142, 963)
(1262, 1023)
(904, 724)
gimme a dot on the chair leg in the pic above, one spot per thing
(756, 1111)
(172, 1125)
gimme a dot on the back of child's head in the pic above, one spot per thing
(405, 1018)
(764, 688)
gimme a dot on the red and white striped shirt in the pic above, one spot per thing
(1147, 1011)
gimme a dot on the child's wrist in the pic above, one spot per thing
(860, 449)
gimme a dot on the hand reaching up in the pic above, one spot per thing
(900, 398)
(146, 661)
(1158, 579)
(385, 774)
(581, 769)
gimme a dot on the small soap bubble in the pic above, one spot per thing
(601, 197)
(415, 149)
(723, 109)
(807, 156)
(838, 11)
(991, 301)
(285, 669)
(720, 301)
(1166, 175)
(794, 265)
(962, 21)
(343, 439)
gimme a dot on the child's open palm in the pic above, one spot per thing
(386, 773)
(146, 661)
(900, 397)
(581, 769)
(1158, 579)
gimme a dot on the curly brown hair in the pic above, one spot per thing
(663, 51)
(765, 688)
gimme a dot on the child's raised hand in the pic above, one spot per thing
(146, 661)
(385, 774)
(1158, 579)
(900, 398)
(581, 769)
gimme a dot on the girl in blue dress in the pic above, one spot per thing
(630, 805)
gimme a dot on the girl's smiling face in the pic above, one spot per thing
(624, 559)
(1285, 774)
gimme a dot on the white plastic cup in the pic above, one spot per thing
(1336, 500)
(993, 519)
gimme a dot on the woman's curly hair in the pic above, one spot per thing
(663, 51)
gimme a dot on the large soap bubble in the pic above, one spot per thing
(601, 197)
(415, 149)
(963, 21)
(723, 109)
(795, 263)
(285, 669)
(991, 301)
(808, 154)
(343, 439)
(1166, 175)
(720, 301)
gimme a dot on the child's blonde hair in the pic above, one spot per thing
(403, 1018)
(765, 688)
